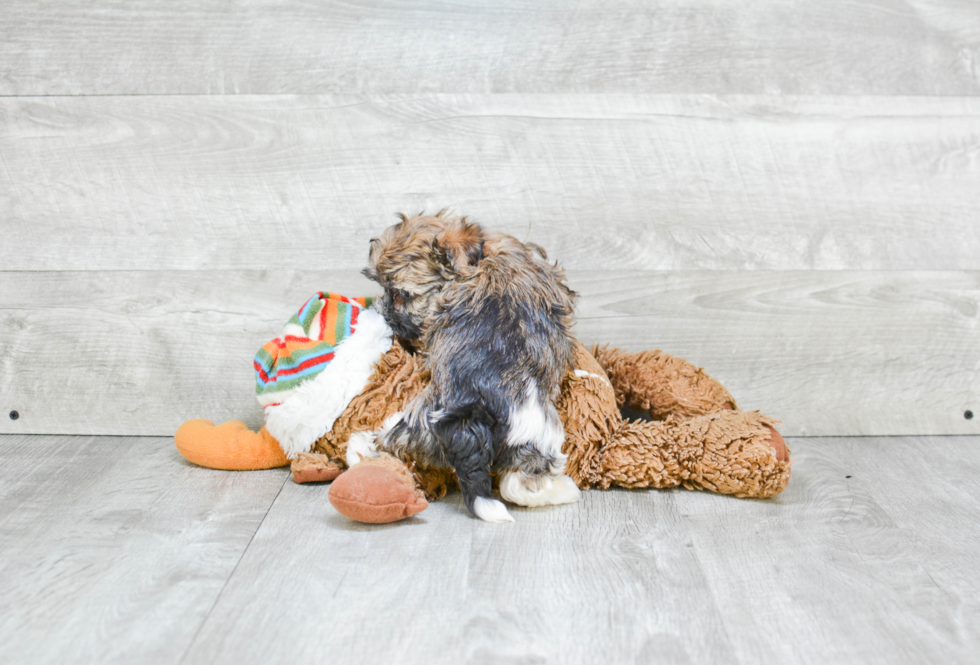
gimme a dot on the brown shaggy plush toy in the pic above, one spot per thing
(692, 435)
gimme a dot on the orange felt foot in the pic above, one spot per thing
(375, 494)
(231, 446)
(776, 441)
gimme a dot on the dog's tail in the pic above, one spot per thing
(467, 432)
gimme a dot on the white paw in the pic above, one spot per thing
(533, 491)
(361, 444)
(491, 510)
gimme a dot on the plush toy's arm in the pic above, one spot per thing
(660, 384)
(726, 452)
(231, 446)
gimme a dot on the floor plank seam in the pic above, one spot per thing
(716, 601)
(224, 586)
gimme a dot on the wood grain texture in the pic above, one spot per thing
(142, 352)
(828, 353)
(607, 580)
(116, 550)
(914, 47)
(872, 532)
(602, 181)
(113, 550)
(835, 569)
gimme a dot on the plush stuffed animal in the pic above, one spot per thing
(695, 435)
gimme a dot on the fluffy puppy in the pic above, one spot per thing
(491, 318)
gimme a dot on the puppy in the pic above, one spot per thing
(492, 319)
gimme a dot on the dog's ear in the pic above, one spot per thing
(538, 249)
(371, 272)
(459, 246)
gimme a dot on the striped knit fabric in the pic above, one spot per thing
(306, 345)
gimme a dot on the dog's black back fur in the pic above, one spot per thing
(490, 349)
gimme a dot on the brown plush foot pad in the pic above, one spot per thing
(779, 445)
(315, 475)
(374, 494)
(314, 468)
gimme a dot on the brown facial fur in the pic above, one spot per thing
(415, 259)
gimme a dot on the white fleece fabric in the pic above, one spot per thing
(311, 410)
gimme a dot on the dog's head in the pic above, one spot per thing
(414, 259)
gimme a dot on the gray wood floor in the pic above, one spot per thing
(116, 550)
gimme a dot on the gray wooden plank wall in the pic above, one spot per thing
(834, 47)
(784, 193)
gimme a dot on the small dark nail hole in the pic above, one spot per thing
(847, 476)
(14, 415)
(968, 415)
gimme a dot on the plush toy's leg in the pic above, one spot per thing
(314, 468)
(728, 452)
(660, 384)
(377, 490)
(231, 446)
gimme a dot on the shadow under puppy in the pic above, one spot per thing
(492, 319)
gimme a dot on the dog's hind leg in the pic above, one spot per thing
(531, 464)
(534, 490)
(530, 476)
